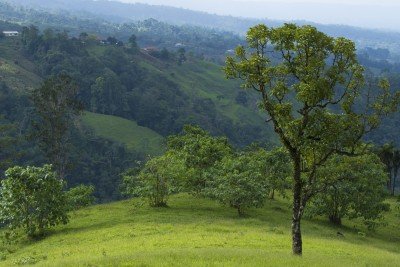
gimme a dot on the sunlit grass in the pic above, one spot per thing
(198, 232)
(125, 131)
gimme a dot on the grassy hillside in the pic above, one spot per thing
(205, 80)
(15, 70)
(124, 131)
(197, 232)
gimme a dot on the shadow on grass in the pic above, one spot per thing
(187, 210)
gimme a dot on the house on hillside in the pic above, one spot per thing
(10, 33)
(151, 49)
(179, 45)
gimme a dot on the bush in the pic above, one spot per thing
(352, 187)
(200, 152)
(277, 169)
(159, 178)
(32, 198)
(80, 196)
(240, 182)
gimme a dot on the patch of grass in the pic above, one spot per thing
(15, 70)
(138, 138)
(198, 232)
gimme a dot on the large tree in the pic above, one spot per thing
(56, 107)
(310, 84)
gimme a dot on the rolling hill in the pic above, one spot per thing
(125, 13)
(198, 232)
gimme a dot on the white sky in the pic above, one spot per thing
(381, 14)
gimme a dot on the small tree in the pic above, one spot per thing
(133, 46)
(159, 178)
(200, 152)
(354, 187)
(277, 170)
(240, 182)
(80, 196)
(32, 198)
(181, 56)
(390, 156)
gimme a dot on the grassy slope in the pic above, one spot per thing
(202, 79)
(125, 131)
(15, 70)
(197, 232)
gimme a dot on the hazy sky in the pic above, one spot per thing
(383, 14)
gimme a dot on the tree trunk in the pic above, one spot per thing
(272, 194)
(239, 210)
(297, 243)
(335, 219)
(394, 181)
(389, 182)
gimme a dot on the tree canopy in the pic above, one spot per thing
(309, 85)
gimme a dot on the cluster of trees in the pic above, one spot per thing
(206, 166)
(43, 126)
(113, 82)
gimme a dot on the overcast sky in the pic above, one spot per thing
(381, 14)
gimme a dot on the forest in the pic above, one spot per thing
(156, 132)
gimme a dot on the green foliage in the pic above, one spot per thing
(7, 142)
(80, 196)
(240, 182)
(56, 106)
(32, 198)
(390, 156)
(159, 178)
(354, 187)
(277, 169)
(181, 56)
(200, 152)
(310, 93)
(107, 94)
(133, 45)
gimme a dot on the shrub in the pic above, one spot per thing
(32, 198)
(240, 182)
(159, 178)
(276, 169)
(353, 187)
(200, 152)
(80, 196)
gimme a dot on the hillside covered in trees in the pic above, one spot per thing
(161, 79)
(285, 126)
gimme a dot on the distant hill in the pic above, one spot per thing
(123, 13)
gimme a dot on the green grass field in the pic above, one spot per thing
(128, 132)
(198, 232)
